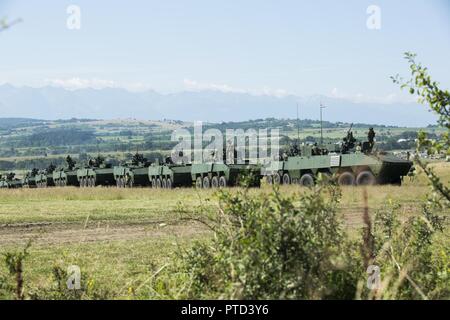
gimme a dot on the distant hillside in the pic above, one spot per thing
(29, 143)
(213, 106)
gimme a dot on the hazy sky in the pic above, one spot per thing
(274, 47)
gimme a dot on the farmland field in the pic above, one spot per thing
(122, 238)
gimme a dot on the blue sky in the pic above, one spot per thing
(272, 47)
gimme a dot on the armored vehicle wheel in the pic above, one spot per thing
(164, 183)
(199, 182)
(158, 183)
(153, 183)
(118, 182)
(269, 179)
(276, 178)
(206, 183)
(286, 179)
(130, 183)
(214, 182)
(222, 182)
(64, 183)
(307, 180)
(346, 179)
(365, 178)
(81, 183)
(89, 182)
(169, 183)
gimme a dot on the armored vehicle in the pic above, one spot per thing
(169, 175)
(44, 178)
(134, 173)
(353, 163)
(215, 175)
(66, 176)
(3, 183)
(29, 180)
(9, 181)
(96, 173)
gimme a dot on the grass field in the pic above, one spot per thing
(121, 238)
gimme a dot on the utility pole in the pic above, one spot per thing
(321, 126)
(298, 128)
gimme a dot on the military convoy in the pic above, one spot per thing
(350, 162)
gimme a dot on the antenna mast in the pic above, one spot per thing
(298, 128)
(321, 126)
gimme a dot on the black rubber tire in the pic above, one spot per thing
(365, 178)
(269, 179)
(222, 182)
(286, 179)
(206, 183)
(199, 182)
(169, 184)
(164, 183)
(158, 183)
(153, 183)
(215, 182)
(346, 179)
(307, 180)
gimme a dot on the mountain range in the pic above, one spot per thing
(213, 106)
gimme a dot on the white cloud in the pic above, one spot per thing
(193, 85)
(79, 83)
(363, 98)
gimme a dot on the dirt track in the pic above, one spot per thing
(63, 233)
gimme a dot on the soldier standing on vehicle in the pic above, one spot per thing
(371, 138)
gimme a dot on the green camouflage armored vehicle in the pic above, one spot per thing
(134, 173)
(169, 175)
(66, 176)
(353, 163)
(10, 182)
(44, 178)
(215, 175)
(97, 173)
(29, 180)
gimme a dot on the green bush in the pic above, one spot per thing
(273, 247)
